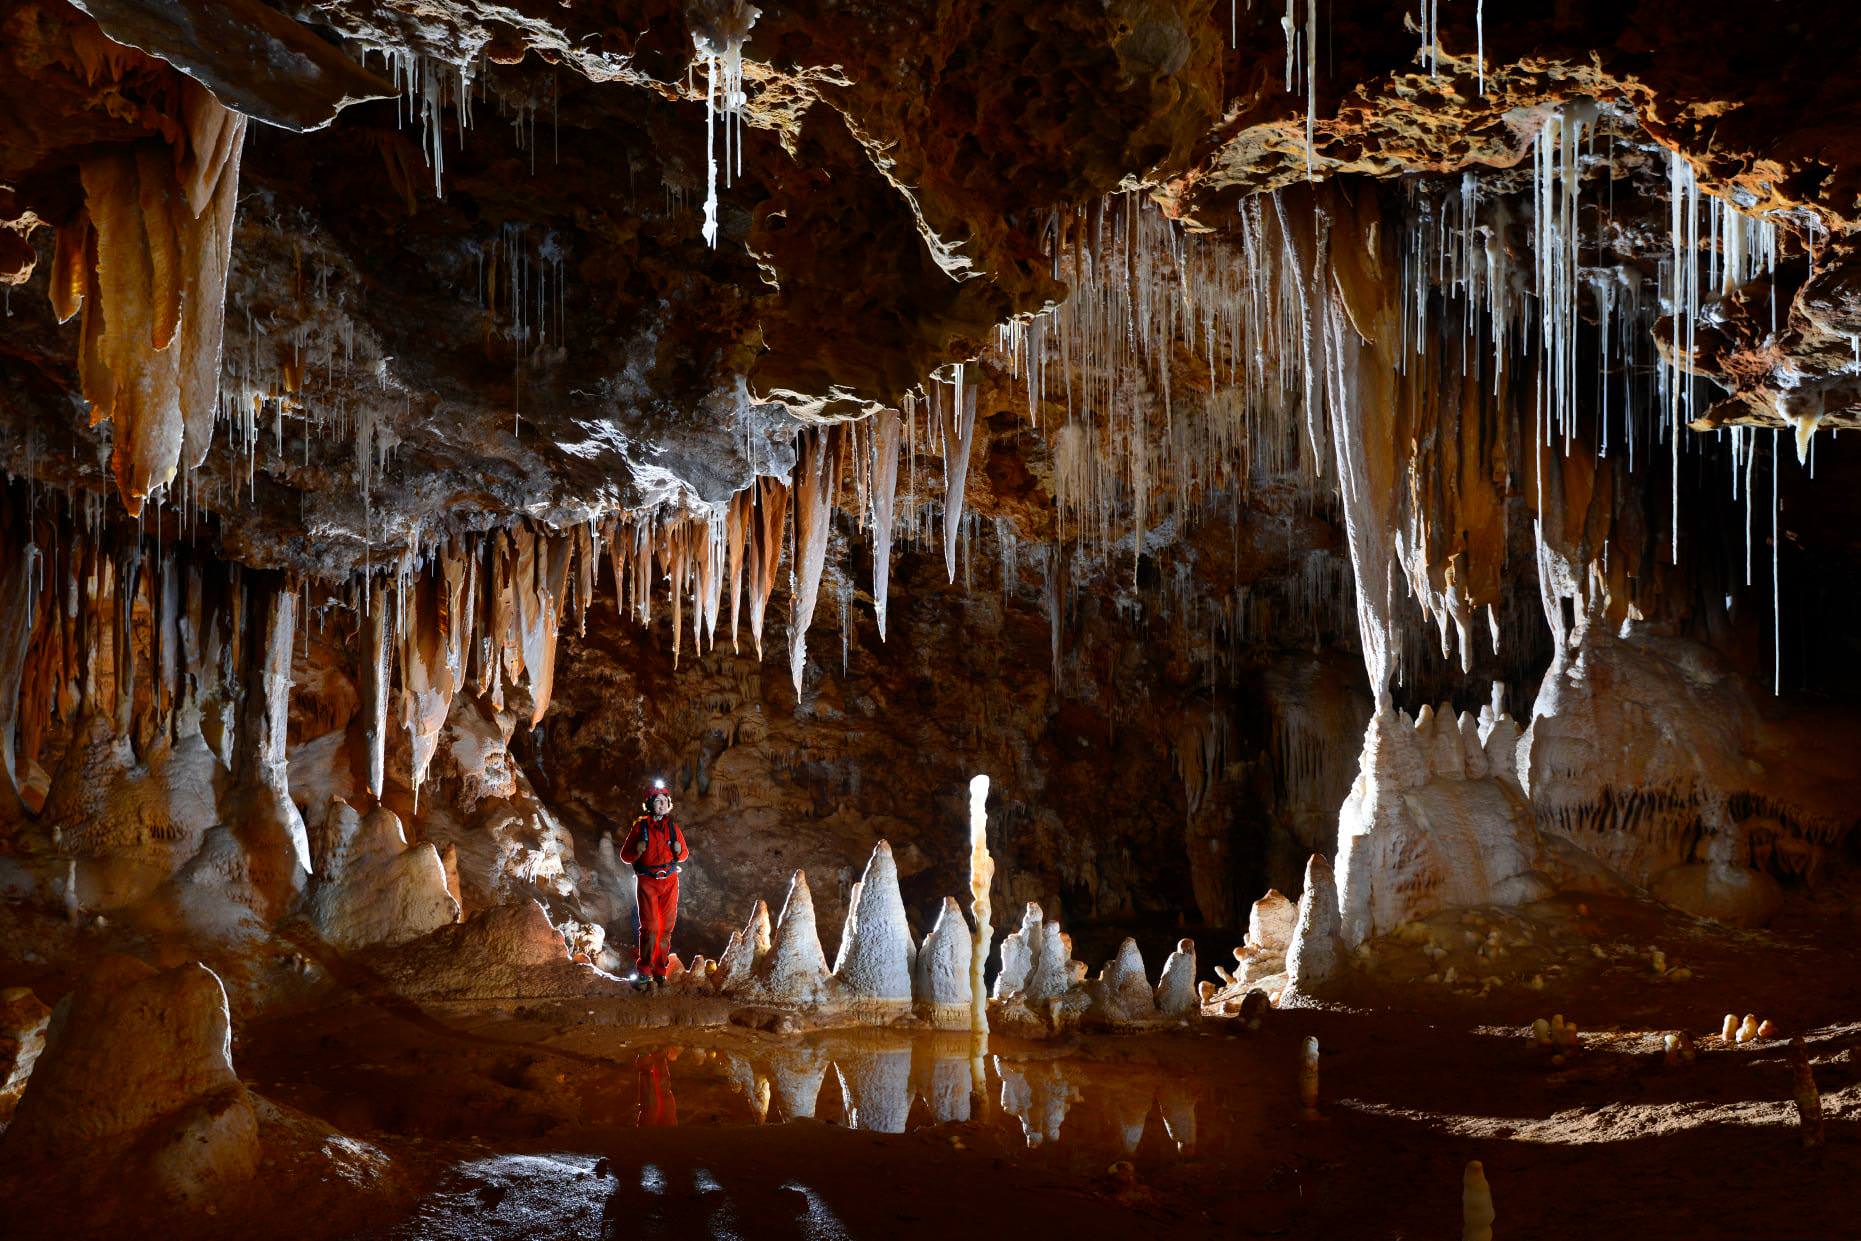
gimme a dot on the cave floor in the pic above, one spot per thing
(661, 1116)
(563, 1120)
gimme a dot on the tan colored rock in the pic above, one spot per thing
(375, 888)
(23, 1021)
(1271, 921)
(136, 1082)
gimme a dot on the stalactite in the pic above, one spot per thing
(737, 517)
(884, 500)
(766, 550)
(814, 479)
(149, 361)
(958, 444)
(539, 575)
(18, 562)
(427, 681)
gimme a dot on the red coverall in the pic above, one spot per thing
(655, 848)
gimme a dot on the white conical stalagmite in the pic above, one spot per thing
(941, 975)
(1123, 991)
(1317, 939)
(795, 969)
(1476, 1204)
(1055, 972)
(1020, 949)
(1176, 989)
(874, 961)
(747, 946)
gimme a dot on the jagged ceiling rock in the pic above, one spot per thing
(539, 329)
(254, 58)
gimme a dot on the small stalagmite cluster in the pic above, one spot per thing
(880, 972)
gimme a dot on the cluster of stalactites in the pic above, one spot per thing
(145, 262)
(1141, 441)
(100, 619)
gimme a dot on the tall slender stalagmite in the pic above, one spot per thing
(378, 649)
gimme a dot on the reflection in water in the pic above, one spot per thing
(652, 1072)
(891, 1081)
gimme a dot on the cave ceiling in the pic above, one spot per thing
(468, 280)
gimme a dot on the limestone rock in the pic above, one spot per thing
(23, 1022)
(736, 967)
(1417, 834)
(1122, 991)
(795, 969)
(1270, 922)
(376, 889)
(1317, 943)
(508, 952)
(941, 975)
(1176, 994)
(136, 1082)
(1017, 954)
(874, 962)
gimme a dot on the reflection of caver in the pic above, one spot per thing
(653, 1082)
(655, 848)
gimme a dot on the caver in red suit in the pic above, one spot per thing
(655, 848)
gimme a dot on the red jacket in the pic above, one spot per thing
(654, 847)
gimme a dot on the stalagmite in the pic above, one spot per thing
(1476, 1204)
(375, 888)
(1176, 995)
(1308, 1075)
(1019, 951)
(875, 957)
(271, 831)
(746, 948)
(981, 876)
(814, 485)
(1123, 992)
(1055, 975)
(1807, 1098)
(1317, 939)
(795, 969)
(941, 977)
(377, 645)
